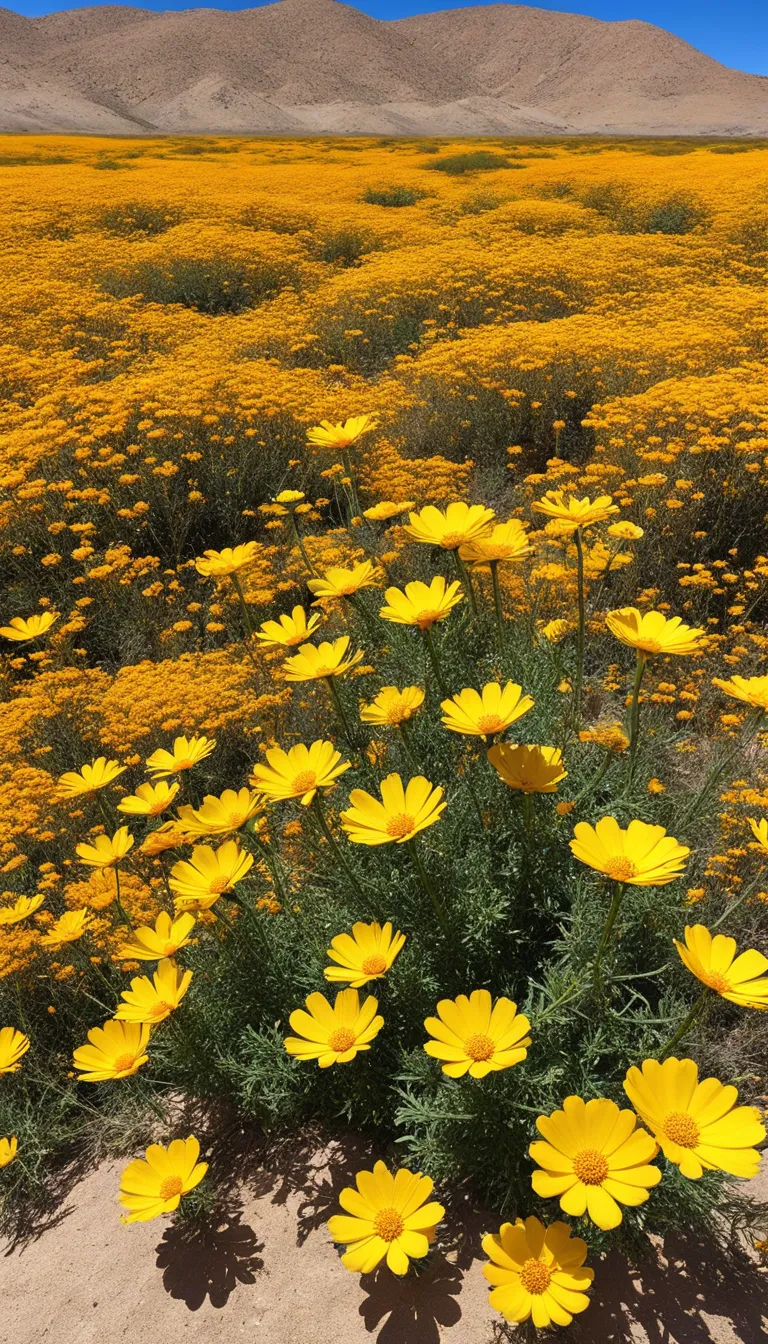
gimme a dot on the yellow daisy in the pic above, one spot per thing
(116, 1050)
(288, 631)
(385, 509)
(312, 663)
(92, 777)
(644, 856)
(760, 832)
(572, 513)
(476, 1036)
(714, 962)
(420, 604)
(531, 769)
(8, 1150)
(223, 815)
(187, 753)
(31, 627)
(154, 1184)
(21, 908)
(13, 1045)
(393, 707)
(537, 1272)
(386, 1215)
(106, 851)
(165, 940)
(199, 882)
(333, 1034)
(652, 632)
(342, 435)
(365, 954)
(343, 582)
(452, 527)
(153, 1000)
(751, 691)
(487, 712)
(300, 772)
(149, 800)
(400, 815)
(219, 564)
(67, 928)
(506, 541)
(625, 531)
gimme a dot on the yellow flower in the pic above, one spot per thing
(714, 962)
(165, 837)
(13, 1044)
(165, 940)
(644, 856)
(333, 1034)
(392, 707)
(625, 531)
(328, 435)
(8, 1150)
(760, 832)
(300, 772)
(67, 928)
(387, 1215)
(199, 882)
(609, 736)
(382, 512)
(572, 513)
(401, 814)
(555, 631)
(92, 777)
(154, 1185)
(116, 1050)
(343, 582)
(594, 1159)
(30, 628)
(153, 1000)
(751, 690)
(487, 712)
(107, 851)
(288, 631)
(326, 660)
(21, 908)
(698, 1124)
(651, 632)
(530, 768)
(476, 1036)
(365, 954)
(222, 815)
(506, 541)
(149, 800)
(458, 524)
(420, 604)
(218, 564)
(187, 753)
(537, 1272)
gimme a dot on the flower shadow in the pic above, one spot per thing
(210, 1258)
(415, 1309)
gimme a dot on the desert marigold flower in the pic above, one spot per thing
(387, 1215)
(67, 928)
(505, 541)
(609, 736)
(625, 531)
(333, 1034)
(452, 528)
(644, 856)
(531, 769)
(537, 1272)
(187, 753)
(697, 1124)
(476, 1036)
(199, 882)
(222, 815)
(97, 775)
(594, 1160)
(31, 627)
(165, 940)
(385, 509)
(218, 564)
(290, 497)
(106, 851)
(401, 814)
(153, 1000)
(312, 663)
(488, 712)
(342, 435)
(288, 631)
(751, 690)
(8, 1150)
(300, 772)
(13, 1045)
(343, 582)
(365, 954)
(420, 604)
(165, 837)
(651, 632)
(21, 908)
(154, 1184)
(714, 962)
(149, 800)
(393, 707)
(572, 513)
(555, 631)
(116, 1050)
(759, 830)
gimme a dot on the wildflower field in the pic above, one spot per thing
(383, 681)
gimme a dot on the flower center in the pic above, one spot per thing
(170, 1187)
(535, 1277)
(374, 965)
(451, 540)
(304, 781)
(341, 1040)
(650, 646)
(479, 1047)
(388, 1224)
(397, 711)
(161, 1009)
(170, 949)
(123, 1063)
(620, 869)
(716, 981)
(590, 1166)
(400, 825)
(490, 723)
(346, 587)
(185, 763)
(681, 1128)
(428, 617)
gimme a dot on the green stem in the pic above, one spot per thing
(248, 623)
(337, 854)
(299, 542)
(686, 1024)
(528, 817)
(346, 726)
(498, 606)
(734, 905)
(596, 779)
(405, 738)
(634, 713)
(581, 628)
(718, 771)
(466, 580)
(433, 658)
(272, 860)
(349, 469)
(118, 903)
(607, 928)
(427, 885)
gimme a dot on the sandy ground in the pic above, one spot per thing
(267, 1270)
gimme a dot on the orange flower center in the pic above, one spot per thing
(401, 825)
(374, 965)
(304, 781)
(397, 711)
(620, 869)
(681, 1128)
(590, 1166)
(715, 981)
(388, 1224)
(161, 1009)
(123, 1063)
(649, 646)
(346, 587)
(479, 1047)
(453, 539)
(170, 1187)
(490, 723)
(535, 1277)
(341, 1040)
(428, 616)
(185, 763)
(218, 885)
(170, 949)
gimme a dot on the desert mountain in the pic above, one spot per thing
(320, 66)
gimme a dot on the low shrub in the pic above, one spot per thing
(393, 197)
(215, 284)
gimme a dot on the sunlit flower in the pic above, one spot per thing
(643, 855)
(572, 513)
(21, 908)
(288, 631)
(383, 511)
(312, 663)
(760, 832)
(401, 814)
(476, 1036)
(555, 631)
(222, 815)
(300, 772)
(625, 531)
(8, 1150)
(609, 736)
(290, 497)
(651, 632)
(67, 928)
(537, 1272)
(333, 1034)
(343, 582)
(714, 962)
(92, 777)
(531, 769)
(751, 690)
(116, 1050)
(198, 882)
(106, 851)
(154, 1184)
(698, 1125)
(187, 753)
(149, 800)
(392, 707)
(365, 954)
(451, 528)
(420, 604)
(165, 837)
(218, 564)
(153, 1000)
(32, 627)
(328, 435)
(487, 712)
(505, 541)
(387, 1215)
(13, 1045)
(165, 940)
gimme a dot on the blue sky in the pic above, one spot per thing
(733, 31)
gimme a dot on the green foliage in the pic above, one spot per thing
(150, 218)
(214, 284)
(473, 161)
(393, 197)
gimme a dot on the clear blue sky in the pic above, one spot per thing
(733, 31)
